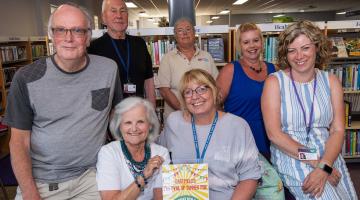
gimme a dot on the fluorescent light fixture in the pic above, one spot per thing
(209, 22)
(226, 11)
(215, 17)
(280, 15)
(130, 5)
(239, 2)
(302, 10)
(341, 13)
(143, 14)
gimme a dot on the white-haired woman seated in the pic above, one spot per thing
(129, 167)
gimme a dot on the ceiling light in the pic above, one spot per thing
(226, 11)
(130, 5)
(341, 13)
(302, 10)
(143, 14)
(215, 17)
(280, 15)
(239, 2)
(209, 22)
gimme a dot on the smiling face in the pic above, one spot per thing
(70, 46)
(184, 34)
(251, 44)
(134, 126)
(115, 16)
(199, 104)
(301, 54)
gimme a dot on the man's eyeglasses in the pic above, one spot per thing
(183, 31)
(76, 32)
(199, 90)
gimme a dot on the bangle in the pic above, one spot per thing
(145, 179)
(138, 184)
(326, 168)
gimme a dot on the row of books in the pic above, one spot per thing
(351, 145)
(215, 46)
(158, 49)
(13, 53)
(343, 48)
(271, 44)
(38, 50)
(9, 73)
(348, 75)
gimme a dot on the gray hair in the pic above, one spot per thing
(103, 6)
(128, 104)
(183, 19)
(83, 10)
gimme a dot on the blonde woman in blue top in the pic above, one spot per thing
(304, 114)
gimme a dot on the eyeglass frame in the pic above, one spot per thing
(205, 87)
(71, 30)
(183, 31)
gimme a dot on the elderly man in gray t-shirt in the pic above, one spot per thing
(58, 110)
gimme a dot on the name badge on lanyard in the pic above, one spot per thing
(307, 154)
(129, 88)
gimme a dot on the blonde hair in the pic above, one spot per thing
(244, 28)
(199, 76)
(312, 32)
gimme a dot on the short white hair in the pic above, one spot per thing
(83, 10)
(128, 104)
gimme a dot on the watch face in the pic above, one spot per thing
(326, 168)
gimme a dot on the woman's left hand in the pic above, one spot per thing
(314, 183)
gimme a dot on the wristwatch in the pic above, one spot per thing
(325, 167)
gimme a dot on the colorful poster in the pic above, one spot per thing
(185, 182)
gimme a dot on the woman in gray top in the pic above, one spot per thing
(202, 133)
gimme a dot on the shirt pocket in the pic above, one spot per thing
(100, 98)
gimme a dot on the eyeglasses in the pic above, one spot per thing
(76, 32)
(183, 31)
(199, 90)
(305, 48)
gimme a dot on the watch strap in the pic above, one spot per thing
(325, 168)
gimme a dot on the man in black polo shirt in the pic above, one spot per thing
(129, 52)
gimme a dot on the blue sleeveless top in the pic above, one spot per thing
(243, 100)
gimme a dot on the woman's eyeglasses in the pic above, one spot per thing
(199, 90)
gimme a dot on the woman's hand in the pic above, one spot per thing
(335, 177)
(153, 164)
(314, 183)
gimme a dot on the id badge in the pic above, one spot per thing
(307, 154)
(129, 88)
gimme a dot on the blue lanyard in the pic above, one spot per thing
(207, 140)
(308, 126)
(127, 66)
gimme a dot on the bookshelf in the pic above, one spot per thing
(39, 47)
(346, 66)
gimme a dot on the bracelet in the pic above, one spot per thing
(145, 179)
(138, 184)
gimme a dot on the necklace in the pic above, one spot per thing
(254, 69)
(135, 167)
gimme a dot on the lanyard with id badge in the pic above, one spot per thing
(129, 88)
(307, 152)
(200, 159)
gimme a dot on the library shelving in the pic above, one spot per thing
(39, 47)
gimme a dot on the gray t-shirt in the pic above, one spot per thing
(232, 154)
(67, 114)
